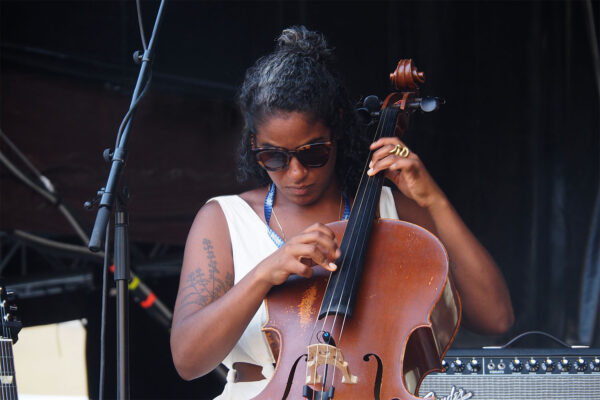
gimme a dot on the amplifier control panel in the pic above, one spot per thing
(521, 364)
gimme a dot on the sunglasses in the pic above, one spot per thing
(312, 155)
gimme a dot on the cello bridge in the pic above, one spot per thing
(322, 354)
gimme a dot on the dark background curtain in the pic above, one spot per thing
(515, 148)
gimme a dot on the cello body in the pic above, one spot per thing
(404, 320)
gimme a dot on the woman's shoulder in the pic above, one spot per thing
(213, 216)
(213, 209)
(255, 198)
(252, 197)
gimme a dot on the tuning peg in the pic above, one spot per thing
(371, 107)
(372, 103)
(363, 115)
(427, 104)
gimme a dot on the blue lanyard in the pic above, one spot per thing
(269, 209)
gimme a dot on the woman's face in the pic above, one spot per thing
(299, 184)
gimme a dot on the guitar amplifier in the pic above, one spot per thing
(516, 374)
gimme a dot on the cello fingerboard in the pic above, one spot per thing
(340, 294)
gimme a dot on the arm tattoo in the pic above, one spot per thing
(203, 287)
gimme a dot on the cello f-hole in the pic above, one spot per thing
(378, 375)
(288, 386)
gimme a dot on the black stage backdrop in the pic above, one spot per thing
(515, 148)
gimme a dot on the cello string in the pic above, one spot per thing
(372, 184)
(388, 118)
(363, 202)
(342, 265)
(314, 329)
(382, 127)
(376, 181)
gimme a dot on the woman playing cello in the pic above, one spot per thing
(300, 142)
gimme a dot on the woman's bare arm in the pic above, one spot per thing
(207, 324)
(211, 313)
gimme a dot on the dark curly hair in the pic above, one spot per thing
(299, 76)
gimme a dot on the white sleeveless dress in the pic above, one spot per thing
(251, 244)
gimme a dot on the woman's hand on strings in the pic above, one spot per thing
(314, 246)
(406, 170)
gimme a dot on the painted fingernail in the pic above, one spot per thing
(370, 171)
(371, 164)
(332, 266)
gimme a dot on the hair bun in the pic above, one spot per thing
(299, 40)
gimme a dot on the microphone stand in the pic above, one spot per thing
(121, 276)
(107, 193)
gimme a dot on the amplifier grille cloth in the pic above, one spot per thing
(516, 387)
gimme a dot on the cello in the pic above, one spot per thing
(372, 335)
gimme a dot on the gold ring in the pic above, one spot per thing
(400, 150)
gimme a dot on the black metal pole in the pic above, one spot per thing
(122, 279)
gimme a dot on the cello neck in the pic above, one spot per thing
(341, 292)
